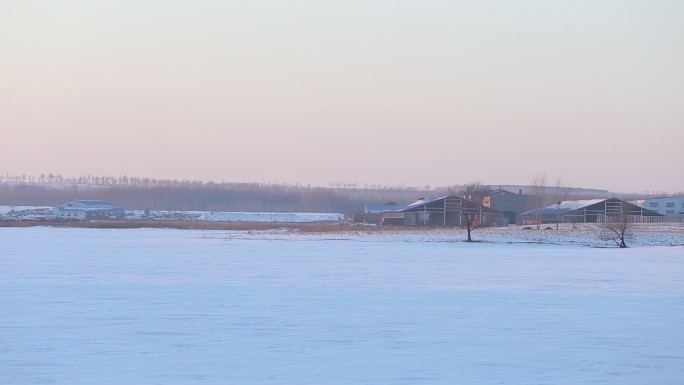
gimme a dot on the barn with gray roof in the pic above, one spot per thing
(590, 211)
(441, 211)
(511, 205)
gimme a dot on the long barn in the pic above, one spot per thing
(85, 209)
(449, 210)
(590, 211)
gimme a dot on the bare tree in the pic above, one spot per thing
(476, 185)
(561, 195)
(539, 188)
(475, 191)
(470, 217)
(618, 221)
(617, 230)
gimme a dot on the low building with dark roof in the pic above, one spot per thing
(442, 211)
(590, 211)
(511, 205)
(84, 209)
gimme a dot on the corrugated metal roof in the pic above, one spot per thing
(90, 205)
(95, 203)
(568, 206)
(501, 191)
(662, 198)
(564, 207)
(379, 209)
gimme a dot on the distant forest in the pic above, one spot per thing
(179, 196)
(186, 195)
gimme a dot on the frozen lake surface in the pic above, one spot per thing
(154, 306)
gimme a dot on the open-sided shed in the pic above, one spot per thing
(590, 211)
(442, 211)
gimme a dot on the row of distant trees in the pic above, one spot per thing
(124, 180)
(102, 180)
(195, 195)
(171, 194)
(209, 196)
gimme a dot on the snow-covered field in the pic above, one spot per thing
(43, 212)
(235, 216)
(160, 306)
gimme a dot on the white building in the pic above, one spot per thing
(83, 209)
(671, 207)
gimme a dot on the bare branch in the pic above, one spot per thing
(617, 229)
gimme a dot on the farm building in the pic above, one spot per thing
(443, 211)
(590, 211)
(510, 205)
(82, 209)
(671, 207)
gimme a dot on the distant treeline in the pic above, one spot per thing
(102, 180)
(194, 195)
(209, 196)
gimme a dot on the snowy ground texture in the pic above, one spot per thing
(235, 216)
(44, 212)
(160, 306)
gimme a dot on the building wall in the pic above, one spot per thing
(69, 214)
(512, 205)
(88, 209)
(671, 207)
(666, 206)
(83, 214)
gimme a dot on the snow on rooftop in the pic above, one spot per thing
(376, 209)
(565, 206)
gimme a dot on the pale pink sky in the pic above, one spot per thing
(317, 92)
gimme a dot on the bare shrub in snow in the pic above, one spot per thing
(617, 229)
